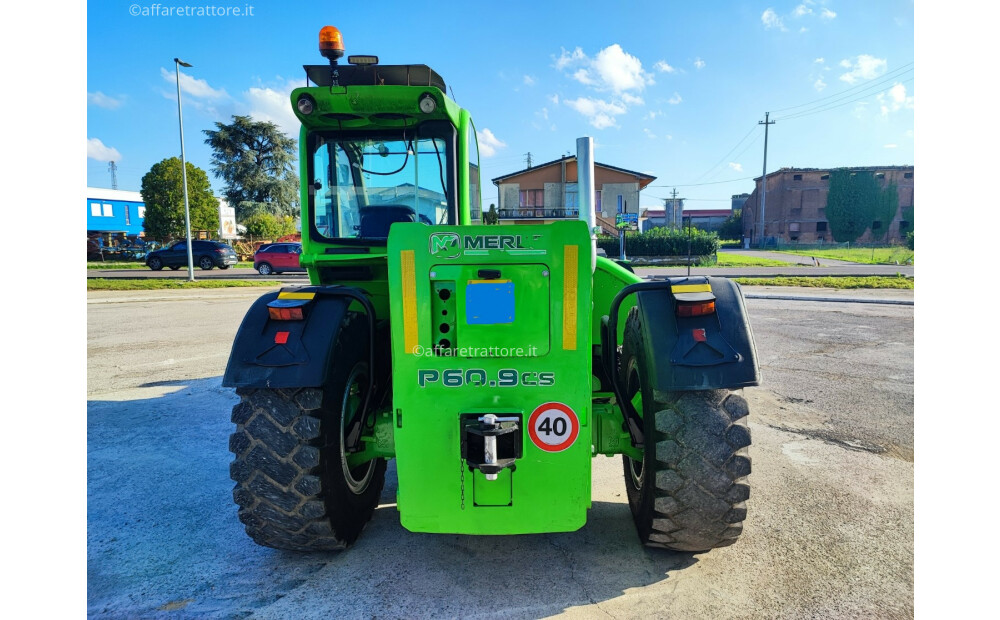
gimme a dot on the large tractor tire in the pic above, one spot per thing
(689, 491)
(294, 487)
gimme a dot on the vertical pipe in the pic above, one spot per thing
(586, 188)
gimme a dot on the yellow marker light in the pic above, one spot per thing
(331, 43)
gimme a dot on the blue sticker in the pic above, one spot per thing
(489, 302)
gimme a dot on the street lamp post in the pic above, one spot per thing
(178, 63)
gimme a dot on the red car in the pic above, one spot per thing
(277, 257)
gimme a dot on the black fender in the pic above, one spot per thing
(270, 353)
(708, 352)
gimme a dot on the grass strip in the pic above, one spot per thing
(154, 284)
(897, 282)
(865, 256)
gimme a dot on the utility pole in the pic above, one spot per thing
(113, 169)
(763, 178)
(527, 158)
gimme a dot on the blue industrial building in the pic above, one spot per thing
(114, 213)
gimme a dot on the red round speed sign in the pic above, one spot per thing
(553, 427)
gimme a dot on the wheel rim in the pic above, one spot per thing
(357, 479)
(154, 263)
(205, 263)
(264, 269)
(633, 387)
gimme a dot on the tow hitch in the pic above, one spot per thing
(491, 443)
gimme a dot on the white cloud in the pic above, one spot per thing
(611, 69)
(98, 151)
(668, 137)
(488, 143)
(803, 29)
(801, 10)
(554, 99)
(827, 14)
(663, 67)
(889, 146)
(103, 101)
(194, 87)
(819, 60)
(620, 70)
(735, 166)
(529, 80)
(699, 63)
(565, 58)
(273, 104)
(819, 84)
(583, 76)
(652, 115)
(675, 99)
(600, 113)
(649, 134)
(864, 67)
(771, 20)
(632, 99)
(894, 99)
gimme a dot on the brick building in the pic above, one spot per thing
(795, 208)
(548, 192)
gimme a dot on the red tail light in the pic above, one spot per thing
(285, 314)
(695, 308)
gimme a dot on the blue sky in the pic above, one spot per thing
(674, 89)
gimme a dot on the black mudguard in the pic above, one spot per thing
(723, 356)
(289, 354)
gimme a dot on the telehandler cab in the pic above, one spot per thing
(492, 362)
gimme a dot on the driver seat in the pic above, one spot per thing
(376, 221)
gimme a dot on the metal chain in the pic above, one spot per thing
(461, 468)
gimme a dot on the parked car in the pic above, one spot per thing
(206, 254)
(277, 257)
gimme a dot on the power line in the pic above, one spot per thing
(723, 158)
(699, 184)
(867, 84)
(830, 105)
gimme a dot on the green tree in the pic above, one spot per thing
(269, 226)
(732, 228)
(257, 162)
(885, 209)
(163, 192)
(491, 217)
(851, 203)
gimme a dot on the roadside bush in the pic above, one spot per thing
(909, 240)
(269, 226)
(663, 242)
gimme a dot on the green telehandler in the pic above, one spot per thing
(493, 363)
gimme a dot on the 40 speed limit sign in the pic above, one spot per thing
(553, 427)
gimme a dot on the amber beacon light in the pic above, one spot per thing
(331, 43)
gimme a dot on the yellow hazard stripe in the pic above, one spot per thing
(296, 295)
(691, 288)
(571, 266)
(410, 325)
(488, 281)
